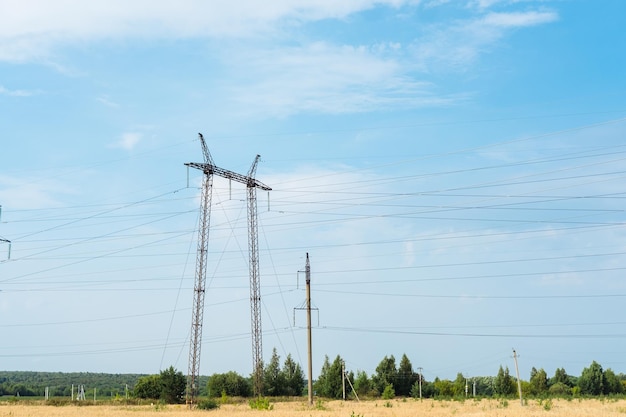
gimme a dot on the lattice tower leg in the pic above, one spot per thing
(195, 342)
(255, 293)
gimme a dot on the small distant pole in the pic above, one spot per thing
(72, 392)
(420, 381)
(343, 379)
(81, 393)
(519, 382)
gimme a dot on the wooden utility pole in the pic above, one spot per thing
(343, 379)
(519, 382)
(420, 381)
(308, 327)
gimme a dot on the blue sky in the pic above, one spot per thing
(455, 170)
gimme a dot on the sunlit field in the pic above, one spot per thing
(396, 408)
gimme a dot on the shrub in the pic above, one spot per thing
(261, 403)
(208, 404)
(389, 393)
(560, 390)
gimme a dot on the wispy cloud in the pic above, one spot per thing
(16, 93)
(484, 4)
(326, 78)
(106, 101)
(30, 28)
(519, 19)
(457, 45)
(26, 193)
(128, 141)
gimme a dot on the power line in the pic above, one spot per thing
(498, 335)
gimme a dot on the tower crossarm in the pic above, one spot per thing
(252, 170)
(208, 168)
(205, 150)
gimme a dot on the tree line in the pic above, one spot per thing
(28, 384)
(389, 380)
(393, 379)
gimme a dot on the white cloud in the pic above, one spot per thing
(30, 28)
(484, 4)
(16, 93)
(435, 3)
(106, 101)
(128, 140)
(21, 193)
(458, 45)
(519, 19)
(326, 78)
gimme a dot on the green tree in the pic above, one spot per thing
(459, 385)
(503, 384)
(293, 377)
(230, 383)
(273, 378)
(406, 377)
(148, 386)
(591, 381)
(172, 386)
(560, 376)
(538, 382)
(329, 382)
(428, 389)
(443, 388)
(612, 384)
(362, 384)
(386, 373)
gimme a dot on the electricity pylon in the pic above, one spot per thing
(209, 168)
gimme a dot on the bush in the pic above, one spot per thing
(208, 404)
(58, 402)
(560, 390)
(261, 403)
(389, 393)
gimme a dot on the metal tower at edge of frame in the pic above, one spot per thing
(209, 168)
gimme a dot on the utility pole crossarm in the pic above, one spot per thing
(208, 168)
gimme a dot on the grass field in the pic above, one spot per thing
(392, 408)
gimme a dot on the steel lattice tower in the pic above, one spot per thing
(255, 290)
(209, 168)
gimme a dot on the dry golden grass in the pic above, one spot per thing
(393, 408)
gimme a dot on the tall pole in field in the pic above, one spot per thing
(420, 381)
(343, 379)
(308, 327)
(519, 382)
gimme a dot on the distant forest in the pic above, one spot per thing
(59, 384)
